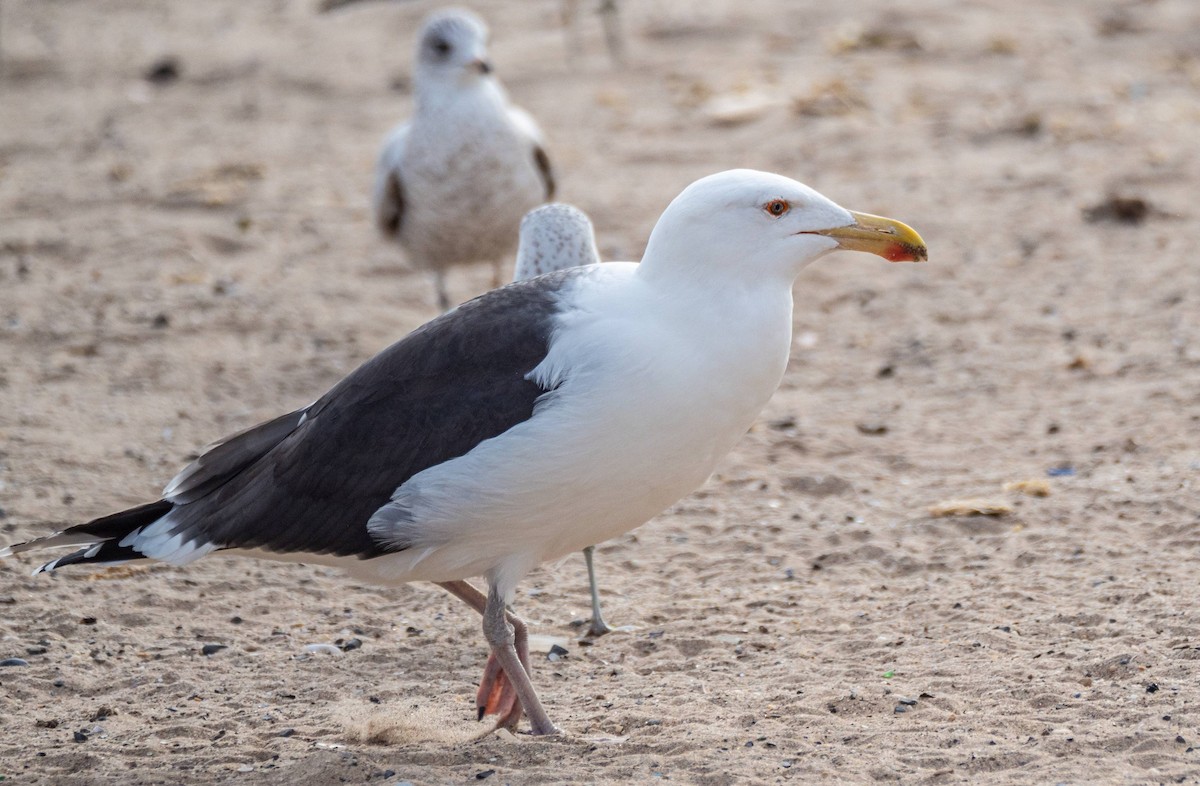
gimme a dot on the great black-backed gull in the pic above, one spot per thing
(523, 425)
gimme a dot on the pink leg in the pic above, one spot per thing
(505, 688)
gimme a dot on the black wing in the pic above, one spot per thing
(309, 481)
(390, 210)
(545, 170)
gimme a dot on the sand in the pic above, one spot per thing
(181, 259)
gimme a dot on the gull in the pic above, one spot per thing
(520, 427)
(466, 152)
(556, 237)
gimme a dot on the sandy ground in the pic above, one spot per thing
(184, 259)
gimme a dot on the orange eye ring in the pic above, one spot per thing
(777, 207)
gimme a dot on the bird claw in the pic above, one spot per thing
(497, 696)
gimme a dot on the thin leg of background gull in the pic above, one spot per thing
(498, 692)
(599, 626)
(571, 37)
(497, 269)
(439, 283)
(611, 19)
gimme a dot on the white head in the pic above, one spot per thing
(452, 50)
(749, 225)
(554, 237)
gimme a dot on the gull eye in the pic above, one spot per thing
(777, 207)
(441, 46)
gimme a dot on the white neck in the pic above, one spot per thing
(437, 92)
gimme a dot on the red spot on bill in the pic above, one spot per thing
(903, 252)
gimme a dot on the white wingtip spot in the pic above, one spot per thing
(157, 542)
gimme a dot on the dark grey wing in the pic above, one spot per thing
(527, 126)
(545, 170)
(387, 196)
(429, 398)
(222, 460)
(390, 215)
(432, 396)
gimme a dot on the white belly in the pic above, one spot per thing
(645, 411)
(466, 192)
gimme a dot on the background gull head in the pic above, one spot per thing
(554, 237)
(452, 49)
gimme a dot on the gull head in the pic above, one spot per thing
(452, 49)
(554, 237)
(744, 224)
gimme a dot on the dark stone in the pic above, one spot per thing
(1119, 209)
(163, 71)
(211, 649)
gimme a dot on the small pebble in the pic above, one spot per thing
(556, 653)
(328, 649)
(211, 649)
(58, 683)
(288, 733)
(901, 708)
(163, 71)
(80, 737)
(14, 662)
(909, 702)
(1152, 688)
(871, 427)
(1179, 738)
(484, 774)
(388, 773)
(352, 644)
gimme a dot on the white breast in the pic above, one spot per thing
(646, 401)
(469, 175)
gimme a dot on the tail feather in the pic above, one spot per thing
(101, 538)
(107, 552)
